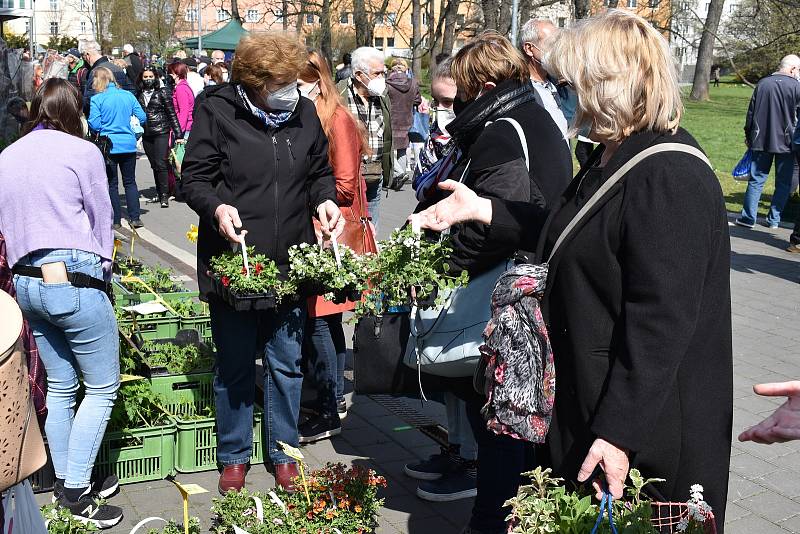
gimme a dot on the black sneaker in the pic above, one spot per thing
(453, 486)
(341, 407)
(434, 467)
(89, 509)
(104, 488)
(137, 223)
(319, 428)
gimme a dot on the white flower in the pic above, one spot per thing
(683, 524)
(277, 521)
(696, 488)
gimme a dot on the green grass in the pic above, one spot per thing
(718, 127)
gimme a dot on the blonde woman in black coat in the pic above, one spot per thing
(638, 298)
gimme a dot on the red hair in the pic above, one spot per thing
(178, 69)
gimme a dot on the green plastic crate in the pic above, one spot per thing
(131, 299)
(196, 439)
(138, 455)
(201, 323)
(154, 326)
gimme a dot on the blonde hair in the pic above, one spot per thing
(489, 57)
(262, 58)
(624, 75)
(101, 78)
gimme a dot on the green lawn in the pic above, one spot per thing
(718, 127)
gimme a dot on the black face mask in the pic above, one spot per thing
(149, 84)
(459, 105)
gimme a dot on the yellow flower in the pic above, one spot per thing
(191, 235)
(118, 243)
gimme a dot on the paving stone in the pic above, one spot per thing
(785, 483)
(733, 512)
(753, 524)
(771, 506)
(741, 488)
(792, 524)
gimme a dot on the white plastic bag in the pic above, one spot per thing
(22, 514)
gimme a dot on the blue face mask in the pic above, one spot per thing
(284, 99)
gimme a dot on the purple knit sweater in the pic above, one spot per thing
(54, 194)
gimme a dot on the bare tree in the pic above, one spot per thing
(416, 37)
(705, 54)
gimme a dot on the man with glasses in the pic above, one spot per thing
(364, 93)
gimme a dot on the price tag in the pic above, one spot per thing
(292, 452)
(129, 378)
(185, 491)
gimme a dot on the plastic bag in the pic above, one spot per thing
(741, 172)
(176, 157)
(22, 515)
(136, 126)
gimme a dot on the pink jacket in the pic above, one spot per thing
(183, 99)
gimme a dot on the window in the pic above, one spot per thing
(54, 28)
(562, 22)
(379, 42)
(379, 19)
(279, 16)
(344, 18)
(392, 17)
(390, 42)
(85, 5)
(191, 15)
(685, 6)
(708, 6)
(83, 26)
(632, 3)
(252, 15)
(680, 52)
(654, 3)
(53, 6)
(424, 18)
(222, 15)
(309, 19)
(732, 8)
(461, 20)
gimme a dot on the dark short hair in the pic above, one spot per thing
(347, 59)
(56, 105)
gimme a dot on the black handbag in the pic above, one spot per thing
(378, 350)
(104, 143)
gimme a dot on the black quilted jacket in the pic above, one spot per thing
(161, 117)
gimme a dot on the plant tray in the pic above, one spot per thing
(261, 301)
(150, 371)
(138, 455)
(154, 326)
(131, 299)
(196, 440)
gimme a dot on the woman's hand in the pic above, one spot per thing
(228, 222)
(330, 219)
(784, 423)
(180, 141)
(461, 206)
(612, 460)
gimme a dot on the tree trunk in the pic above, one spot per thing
(361, 21)
(416, 38)
(581, 9)
(450, 23)
(431, 30)
(285, 11)
(235, 11)
(705, 54)
(489, 14)
(325, 31)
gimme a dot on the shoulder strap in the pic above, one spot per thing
(617, 176)
(522, 138)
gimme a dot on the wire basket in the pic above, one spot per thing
(667, 515)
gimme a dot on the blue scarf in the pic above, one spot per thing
(271, 119)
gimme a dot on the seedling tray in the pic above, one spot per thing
(191, 338)
(261, 301)
(138, 455)
(196, 438)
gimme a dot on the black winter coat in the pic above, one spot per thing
(497, 168)
(275, 177)
(638, 307)
(160, 111)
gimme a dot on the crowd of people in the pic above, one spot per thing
(277, 146)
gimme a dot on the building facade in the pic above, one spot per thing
(57, 18)
(687, 28)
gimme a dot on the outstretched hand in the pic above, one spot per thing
(462, 205)
(784, 423)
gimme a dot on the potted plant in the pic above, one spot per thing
(338, 274)
(256, 288)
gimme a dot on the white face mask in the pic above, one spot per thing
(284, 99)
(376, 86)
(224, 76)
(306, 91)
(444, 116)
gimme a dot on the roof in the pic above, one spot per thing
(225, 38)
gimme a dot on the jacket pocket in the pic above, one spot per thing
(59, 299)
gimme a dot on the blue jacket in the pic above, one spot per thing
(110, 115)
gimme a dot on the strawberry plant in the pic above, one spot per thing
(264, 277)
(136, 406)
(177, 359)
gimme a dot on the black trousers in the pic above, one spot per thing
(157, 150)
(794, 239)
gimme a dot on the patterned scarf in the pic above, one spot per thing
(271, 119)
(520, 371)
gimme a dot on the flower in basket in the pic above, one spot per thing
(407, 261)
(264, 277)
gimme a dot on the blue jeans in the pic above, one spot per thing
(76, 332)
(759, 173)
(459, 430)
(277, 335)
(327, 349)
(373, 194)
(127, 164)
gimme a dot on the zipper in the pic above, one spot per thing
(275, 187)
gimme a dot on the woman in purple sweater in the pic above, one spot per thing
(56, 216)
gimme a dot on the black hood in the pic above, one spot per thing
(468, 124)
(230, 93)
(399, 81)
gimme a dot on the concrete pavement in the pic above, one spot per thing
(764, 492)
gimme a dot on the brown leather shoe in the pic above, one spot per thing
(232, 478)
(285, 474)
